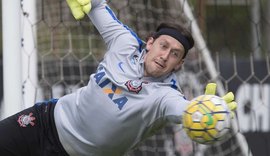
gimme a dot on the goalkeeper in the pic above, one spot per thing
(133, 93)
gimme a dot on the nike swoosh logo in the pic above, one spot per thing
(120, 65)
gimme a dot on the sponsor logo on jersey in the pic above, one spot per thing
(135, 85)
(113, 91)
(25, 120)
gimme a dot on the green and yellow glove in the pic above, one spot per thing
(79, 8)
(210, 89)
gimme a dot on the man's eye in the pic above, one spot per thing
(175, 53)
(163, 45)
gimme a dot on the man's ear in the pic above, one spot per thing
(149, 43)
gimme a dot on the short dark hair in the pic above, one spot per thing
(182, 30)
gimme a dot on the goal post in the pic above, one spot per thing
(12, 77)
(19, 56)
(201, 46)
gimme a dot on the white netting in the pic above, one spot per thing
(236, 32)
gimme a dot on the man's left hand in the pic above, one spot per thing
(210, 89)
(79, 8)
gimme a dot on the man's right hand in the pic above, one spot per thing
(79, 8)
(229, 97)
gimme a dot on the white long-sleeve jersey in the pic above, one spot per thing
(119, 107)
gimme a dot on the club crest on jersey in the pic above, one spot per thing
(135, 85)
(25, 120)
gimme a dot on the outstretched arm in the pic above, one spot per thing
(111, 29)
(176, 105)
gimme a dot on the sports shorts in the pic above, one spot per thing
(31, 132)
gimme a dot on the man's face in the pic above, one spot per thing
(164, 55)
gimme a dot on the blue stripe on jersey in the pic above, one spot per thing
(133, 33)
(52, 101)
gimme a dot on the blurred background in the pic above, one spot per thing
(232, 46)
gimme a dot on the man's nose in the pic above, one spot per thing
(165, 55)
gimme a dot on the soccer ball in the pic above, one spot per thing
(207, 119)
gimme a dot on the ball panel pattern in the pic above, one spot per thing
(207, 119)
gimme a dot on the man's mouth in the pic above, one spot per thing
(161, 65)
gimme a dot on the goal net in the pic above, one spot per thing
(231, 48)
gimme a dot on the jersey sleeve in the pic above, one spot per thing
(114, 33)
(173, 107)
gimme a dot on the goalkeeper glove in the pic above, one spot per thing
(79, 8)
(229, 97)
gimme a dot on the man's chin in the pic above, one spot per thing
(157, 74)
